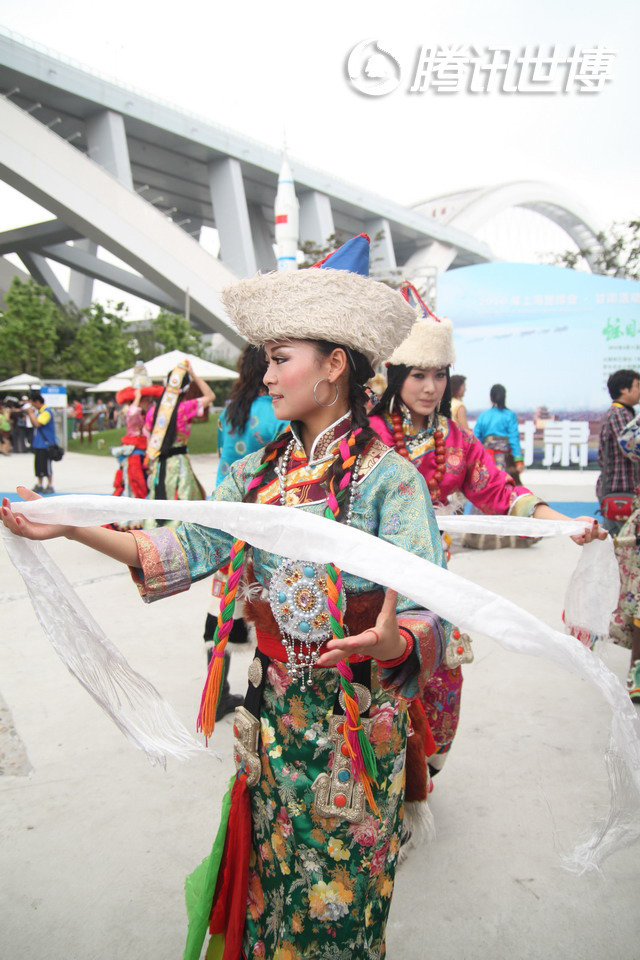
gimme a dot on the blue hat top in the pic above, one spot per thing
(352, 256)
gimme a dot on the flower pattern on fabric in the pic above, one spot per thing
(628, 557)
(479, 477)
(441, 701)
(188, 410)
(320, 887)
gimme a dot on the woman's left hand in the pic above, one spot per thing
(593, 532)
(386, 643)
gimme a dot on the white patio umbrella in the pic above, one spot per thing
(160, 367)
(112, 385)
(22, 381)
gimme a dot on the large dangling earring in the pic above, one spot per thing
(315, 396)
(392, 403)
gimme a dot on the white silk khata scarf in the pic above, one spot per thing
(144, 717)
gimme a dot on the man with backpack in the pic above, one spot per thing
(44, 438)
(619, 475)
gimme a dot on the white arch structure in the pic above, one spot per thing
(470, 210)
(91, 201)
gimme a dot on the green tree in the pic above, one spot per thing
(616, 252)
(28, 329)
(101, 345)
(171, 331)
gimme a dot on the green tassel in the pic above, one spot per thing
(200, 886)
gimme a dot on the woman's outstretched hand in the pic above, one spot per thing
(593, 532)
(18, 523)
(383, 642)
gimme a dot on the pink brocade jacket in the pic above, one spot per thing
(469, 468)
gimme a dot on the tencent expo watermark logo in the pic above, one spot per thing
(375, 71)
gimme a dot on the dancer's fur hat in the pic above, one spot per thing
(338, 303)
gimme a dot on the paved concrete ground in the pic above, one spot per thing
(95, 843)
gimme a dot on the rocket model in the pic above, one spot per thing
(287, 214)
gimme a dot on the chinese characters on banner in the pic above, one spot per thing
(455, 68)
(622, 343)
(564, 442)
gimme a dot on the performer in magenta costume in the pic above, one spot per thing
(414, 416)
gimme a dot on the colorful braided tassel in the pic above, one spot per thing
(363, 759)
(213, 684)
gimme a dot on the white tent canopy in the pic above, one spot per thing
(160, 367)
(22, 381)
(112, 385)
(27, 381)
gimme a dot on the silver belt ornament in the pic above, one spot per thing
(338, 794)
(298, 599)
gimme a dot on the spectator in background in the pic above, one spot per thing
(17, 436)
(26, 427)
(619, 474)
(248, 421)
(497, 430)
(458, 409)
(5, 429)
(79, 415)
(111, 414)
(44, 436)
(100, 410)
(71, 420)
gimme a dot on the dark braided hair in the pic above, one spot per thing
(498, 395)
(360, 370)
(252, 367)
(397, 373)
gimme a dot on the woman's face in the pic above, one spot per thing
(462, 391)
(423, 390)
(294, 366)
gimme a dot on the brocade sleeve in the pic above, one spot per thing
(172, 559)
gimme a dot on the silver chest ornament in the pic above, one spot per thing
(298, 599)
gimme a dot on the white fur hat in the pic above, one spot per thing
(429, 344)
(327, 304)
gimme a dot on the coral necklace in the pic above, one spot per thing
(401, 447)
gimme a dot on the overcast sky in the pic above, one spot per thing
(264, 67)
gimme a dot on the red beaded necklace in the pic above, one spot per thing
(401, 447)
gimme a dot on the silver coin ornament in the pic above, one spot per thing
(298, 600)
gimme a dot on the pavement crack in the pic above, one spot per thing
(523, 881)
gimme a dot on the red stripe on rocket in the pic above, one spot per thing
(286, 220)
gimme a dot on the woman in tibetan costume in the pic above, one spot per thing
(414, 417)
(131, 476)
(304, 863)
(186, 397)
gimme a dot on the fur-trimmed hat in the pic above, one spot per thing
(429, 345)
(430, 342)
(338, 303)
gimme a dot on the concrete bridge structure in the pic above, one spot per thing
(140, 178)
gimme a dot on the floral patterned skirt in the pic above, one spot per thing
(320, 888)
(628, 557)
